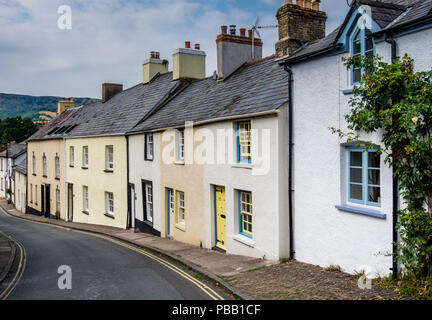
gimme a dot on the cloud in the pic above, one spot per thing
(110, 39)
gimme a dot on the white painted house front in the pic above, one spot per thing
(9, 158)
(343, 200)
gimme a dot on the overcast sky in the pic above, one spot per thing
(110, 39)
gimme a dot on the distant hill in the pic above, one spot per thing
(12, 105)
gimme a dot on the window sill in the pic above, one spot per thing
(109, 215)
(242, 165)
(181, 227)
(363, 211)
(71, 166)
(109, 171)
(244, 240)
(57, 178)
(348, 91)
(179, 162)
(148, 159)
(45, 177)
(86, 212)
(85, 168)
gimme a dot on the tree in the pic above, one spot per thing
(397, 101)
(16, 129)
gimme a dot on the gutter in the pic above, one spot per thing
(310, 55)
(389, 39)
(198, 123)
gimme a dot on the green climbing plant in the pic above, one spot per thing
(395, 100)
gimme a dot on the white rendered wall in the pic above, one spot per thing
(270, 209)
(325, 235)
(140, 169)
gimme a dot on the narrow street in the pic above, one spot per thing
(101, 269)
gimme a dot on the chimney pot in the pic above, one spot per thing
(299, 3)
(288, 1)
(315, 5)
(250, 33)
(224, 29)
(242, 32)
(157, 55)
(233, 29)
(197, 46)
(308, 4)
(187, 44)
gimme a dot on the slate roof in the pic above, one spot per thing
(54, 123)
(255, 87)
(115, 116)
(388, 14)
(22, 166)
(14, 150)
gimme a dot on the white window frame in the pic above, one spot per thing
(109, 158)
(34, 164)
(181, 211)
(44, 166)
(109, 203)
(71, 156)
(85, 199)
(58, 200)
(149, 202)
(85, 156)
(57, 167)
(180, 145)
(149, 146)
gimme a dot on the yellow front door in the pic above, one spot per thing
(220, 217)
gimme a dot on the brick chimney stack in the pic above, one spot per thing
(299, 23)
(109, 90)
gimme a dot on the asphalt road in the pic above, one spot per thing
(100, 268)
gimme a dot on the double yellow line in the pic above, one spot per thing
(205, 288)
(20, 269)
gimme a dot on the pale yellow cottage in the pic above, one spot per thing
(45, 165)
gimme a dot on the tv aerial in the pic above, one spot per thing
(255, 28)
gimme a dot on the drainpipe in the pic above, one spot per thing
(290, 160)
(394, 269)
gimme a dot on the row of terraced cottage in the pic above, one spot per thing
(242, 161)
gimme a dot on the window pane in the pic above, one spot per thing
(373, 160)
(374, 194)
(356, 175)
(356, 192)
(369, 54)
(356, 47)
(356, 75)
(356, 159)
(369, 44)
(374, 177)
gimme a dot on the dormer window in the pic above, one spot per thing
(362, 45)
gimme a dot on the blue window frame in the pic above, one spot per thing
(244, 142)
(245, 213)
(362, 44)
(364, 182)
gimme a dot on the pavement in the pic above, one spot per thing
(7, 254)
(210, 263)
